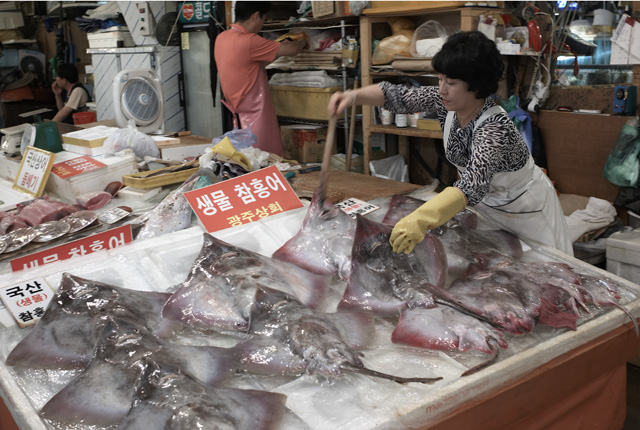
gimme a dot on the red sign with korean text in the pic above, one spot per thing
(106, 240)
(242, 200)
(75, 166)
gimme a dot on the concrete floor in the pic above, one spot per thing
(633, 398)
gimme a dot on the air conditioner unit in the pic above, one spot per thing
(137, 95)
(32, 61)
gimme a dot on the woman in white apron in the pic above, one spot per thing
(498, 177)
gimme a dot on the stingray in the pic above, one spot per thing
(605, 292)
(509, 300)
(463, 243)
(288, 338)
(386, 282)
(167, 398)
(323, 244)
(102, 393)
(221, 285)
(445, 329)
(65, 336)
(173, 213)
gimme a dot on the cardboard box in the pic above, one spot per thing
(429, 124)
(302, 102)
(304, 143)
(330, 9)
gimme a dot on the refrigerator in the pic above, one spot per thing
(205, 112)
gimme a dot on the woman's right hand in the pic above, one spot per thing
(339, 101)
(56, 88)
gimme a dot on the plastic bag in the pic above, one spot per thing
(390, 168)
(399, 43)
(428, 39)
(623, 166)
(357, 7)
(239, 137)
(131, 138)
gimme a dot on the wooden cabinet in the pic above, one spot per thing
(373, 23)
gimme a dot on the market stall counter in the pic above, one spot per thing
(547, 378)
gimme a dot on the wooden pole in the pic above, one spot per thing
(326, 158)
(352, 129)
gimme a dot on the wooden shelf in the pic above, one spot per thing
(450, 14)
(405, 131)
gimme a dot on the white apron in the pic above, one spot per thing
(523, 202)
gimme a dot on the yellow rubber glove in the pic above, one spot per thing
(225, 147)
(410, 230)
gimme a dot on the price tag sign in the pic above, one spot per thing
(34, 171)
(76, 166)
(243, 199)
(109, 239)
(352, 207)
(27, 300)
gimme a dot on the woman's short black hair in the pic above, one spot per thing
(471, 57)
(67, 71)
(244, 9)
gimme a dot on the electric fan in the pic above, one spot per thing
(137, 95)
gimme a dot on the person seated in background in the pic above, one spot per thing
(71, 95)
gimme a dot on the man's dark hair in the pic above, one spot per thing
(67, 71)
(244, 9)
(471, 57)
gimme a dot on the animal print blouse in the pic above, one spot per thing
(496, 146)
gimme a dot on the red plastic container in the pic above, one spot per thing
(84, 117)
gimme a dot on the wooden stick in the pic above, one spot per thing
(326, 158)
(352, 129)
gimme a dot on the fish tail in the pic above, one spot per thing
(494, 355)
(376, 374)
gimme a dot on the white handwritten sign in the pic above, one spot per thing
(352, 207)
(27, 300)
(34, 171)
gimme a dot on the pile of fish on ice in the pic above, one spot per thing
(460, 289)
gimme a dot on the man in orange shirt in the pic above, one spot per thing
(241, 56)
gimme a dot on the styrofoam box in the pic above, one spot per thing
(623, 255)
(96, 180)
(77, 149)
(110, 39)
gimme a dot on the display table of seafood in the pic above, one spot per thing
(274, 325)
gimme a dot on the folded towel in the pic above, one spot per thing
(599, 213)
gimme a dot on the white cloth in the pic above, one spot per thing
(309, 79)
(598, 213)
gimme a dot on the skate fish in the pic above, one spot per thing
(462, 242)
(221, 285)
(323, 244)
(173, 213)
(65, 336)
(102, 393)
(385, 282)
(445, 329)
(511, 300)
(167, 398)
(288, 338)
(605, 292)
